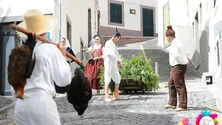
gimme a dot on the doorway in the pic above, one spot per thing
(7, 44)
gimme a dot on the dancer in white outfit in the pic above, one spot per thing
(38, 106)
(111, 60)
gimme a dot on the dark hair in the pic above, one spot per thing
(97, 36)
(117, 33)
(170, 31)
(64, 38)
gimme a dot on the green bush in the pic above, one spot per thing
(138, 69)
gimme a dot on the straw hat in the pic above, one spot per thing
(35, 21)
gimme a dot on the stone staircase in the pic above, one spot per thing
(156, 54)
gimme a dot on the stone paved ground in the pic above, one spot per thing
(137, 109)
(4, 101)
(133, 109)
(144, 109)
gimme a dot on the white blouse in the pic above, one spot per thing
(177, 53)
(50, 66)
(110, 51)
(95, 46)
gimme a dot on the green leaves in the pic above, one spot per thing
(138, 69)
(101, 75)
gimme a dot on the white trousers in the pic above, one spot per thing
(111, 71)
(36, 111)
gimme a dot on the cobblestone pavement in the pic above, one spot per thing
(146, 109)
(134, 109)
(137, 109)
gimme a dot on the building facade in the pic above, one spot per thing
(75, 21)
(134, 18)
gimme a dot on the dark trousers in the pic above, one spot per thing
(176, 85)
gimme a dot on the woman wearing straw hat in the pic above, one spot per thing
(38, 106)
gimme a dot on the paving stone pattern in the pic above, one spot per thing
(135, 109)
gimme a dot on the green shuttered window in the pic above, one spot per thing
(116, 13)
(148, 26)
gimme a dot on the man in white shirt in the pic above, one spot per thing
(176, 83)
(111, 60)
(37, 106)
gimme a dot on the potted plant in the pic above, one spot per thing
(137, 75)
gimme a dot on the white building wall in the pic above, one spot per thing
(78, 14)
(131, 21)
(216, 35)
(161, 34)
(178, 18)
(64, 10)
(103, 7)
(212, 43)
(181, 17)
(217, 11)
(19, 7)
(56, 31)
(193, 6)
(205, 12)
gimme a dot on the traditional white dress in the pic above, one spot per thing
(38, 106)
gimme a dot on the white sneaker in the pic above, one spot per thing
(108, 100)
